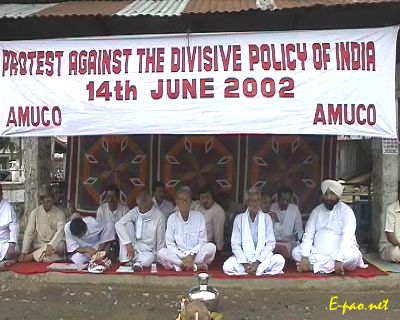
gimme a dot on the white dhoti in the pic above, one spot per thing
(269, 266)
(143, 257)
(170, 260)
(323, 263)
(390, 253)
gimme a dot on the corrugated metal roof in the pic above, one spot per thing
(84, 8)
(131, 8)
(292, 4)
(209, 6)
(154, 8)
(12, 10)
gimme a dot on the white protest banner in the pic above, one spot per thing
(339, 82)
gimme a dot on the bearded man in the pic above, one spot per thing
(329, 242)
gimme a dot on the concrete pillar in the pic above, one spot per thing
(384, 178)
(37, 166)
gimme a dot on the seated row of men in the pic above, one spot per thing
(328, 244)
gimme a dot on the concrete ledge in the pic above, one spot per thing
(391, 281)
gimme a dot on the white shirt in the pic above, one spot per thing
(93, 237)
(330, 232)
(152, 229)
(185, 237)
(166, 207)
(238, 237)
(391, 223)
(289, 222)
(104, 213)
(9, 228)
(215, 222)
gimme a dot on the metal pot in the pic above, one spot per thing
(203, 292)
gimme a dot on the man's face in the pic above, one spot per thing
(47, 203)
(112, 199)
(144, 203)
(183, 202)
(254, 203)
(159, 194)
(206, 200)
(284, 200)
(266, 202)
(330, 199)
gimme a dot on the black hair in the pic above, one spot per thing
(113, 187)
(207, 189)
(158, 184)
(285, 189)
(77, 226)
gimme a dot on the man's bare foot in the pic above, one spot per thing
(303, 266)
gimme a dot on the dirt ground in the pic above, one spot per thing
(23, 298)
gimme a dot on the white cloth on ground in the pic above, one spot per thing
(104, 213)
(9, 227)
(330, 237)
(97, 233)
(246, 251)
(147, 241)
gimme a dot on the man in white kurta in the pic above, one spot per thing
(329, 243)
(186, 237)
(86, 236)
(288, 226)
(162, 204)
(9, 230)
(44, 233)
(141, 233)
(113, 209)
(214, 216)
(253, 242)
(389, 246)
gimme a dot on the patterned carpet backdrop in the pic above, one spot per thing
(230, 163)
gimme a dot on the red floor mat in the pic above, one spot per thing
(215, 271)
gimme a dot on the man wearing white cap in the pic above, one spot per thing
(329, 242)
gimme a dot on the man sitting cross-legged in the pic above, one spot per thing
(329, 242)
(214, 216)
(253, 241)
(389, 246)
(9, 229)
(43, 237)
(141, 233)
(186, 237)
(86, 236)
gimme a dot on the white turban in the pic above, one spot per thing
(332, 185)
